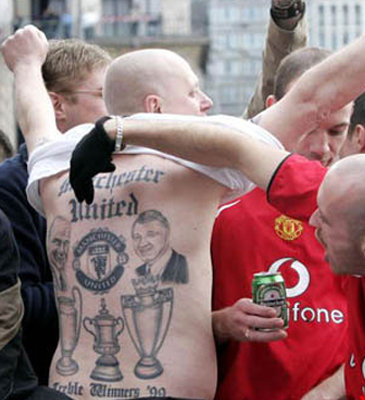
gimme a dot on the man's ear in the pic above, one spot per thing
(270, 100)
(152, 104)
(358, 138)
(58, 103)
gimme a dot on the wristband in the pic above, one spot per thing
(119, 145)
(296, 8)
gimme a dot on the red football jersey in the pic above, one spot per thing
(355, 365)
(252, 236)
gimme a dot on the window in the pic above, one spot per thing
(345, 12)
(333, 15)
(321, 39)
(114, 17)
(321, 15)
(345, 38)
(228, 94)
(358, 15)
(227, 67)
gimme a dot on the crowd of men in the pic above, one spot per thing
(130, 243)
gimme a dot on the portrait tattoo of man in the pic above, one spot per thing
(58, 243)
(151, 241)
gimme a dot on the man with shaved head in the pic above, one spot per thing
(142, 337)
(150, 89)
(339, 222)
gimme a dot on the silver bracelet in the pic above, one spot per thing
(119, 145)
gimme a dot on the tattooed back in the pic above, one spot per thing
(133, 279)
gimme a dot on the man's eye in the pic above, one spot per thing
(336, 133)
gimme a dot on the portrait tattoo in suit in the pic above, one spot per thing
(151, 241)
(58, 243)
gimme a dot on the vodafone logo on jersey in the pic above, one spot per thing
(299, 311)
(300, 269)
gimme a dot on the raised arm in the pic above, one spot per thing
(284, 35)
(198, 140)
(325, 88)
(24, 53)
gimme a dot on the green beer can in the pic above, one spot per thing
(268, 289)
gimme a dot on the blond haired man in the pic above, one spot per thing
(73, 73)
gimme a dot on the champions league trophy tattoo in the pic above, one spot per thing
(104, 329)
(70, 310)
(148, 315)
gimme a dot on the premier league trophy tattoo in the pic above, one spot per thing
(104, 329)
(147, 315)
(70, 311)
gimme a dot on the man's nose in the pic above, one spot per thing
(205, 103)
(320, 144)
(313, 220)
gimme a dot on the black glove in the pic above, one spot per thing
(93, 154)
(294, 9)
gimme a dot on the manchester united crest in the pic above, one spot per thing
(288, 228)
(99, 260)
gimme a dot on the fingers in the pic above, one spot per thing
(249, 307)
(110, 167)
(89, 192)
(264, 323)
(253, 335)
(244, 319)
(83, 189)
(27, 45)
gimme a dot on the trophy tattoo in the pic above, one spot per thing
(70, 310)
(148, 315)
(104, 329)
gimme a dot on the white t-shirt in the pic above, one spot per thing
(54, 157)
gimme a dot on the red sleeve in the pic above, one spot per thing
(294, 186)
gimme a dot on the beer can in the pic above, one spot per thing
(268, 289)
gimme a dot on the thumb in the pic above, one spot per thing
(109, 167)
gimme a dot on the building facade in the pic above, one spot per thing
(335, 23)
(236, 33)
(237, 30)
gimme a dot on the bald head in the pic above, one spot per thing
(135, 75)
(350, 174)
(346, 179)
(343, 195)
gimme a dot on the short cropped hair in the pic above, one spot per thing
(358, 114)
(149, 216)
(6, 148)
(294, 65)
(69, 61)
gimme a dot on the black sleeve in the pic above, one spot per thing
(29, 230)
(40, 322)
